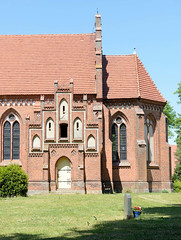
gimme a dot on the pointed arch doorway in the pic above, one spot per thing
(63, 173)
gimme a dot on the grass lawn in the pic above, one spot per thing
(90, 217)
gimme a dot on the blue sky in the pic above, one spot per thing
(153, 27)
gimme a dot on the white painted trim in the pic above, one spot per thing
(56, 118)
(84, 130)
(30, 142)
(57, 115)
(70, 117)
(85, 141)
(42, 130)
(97, 140)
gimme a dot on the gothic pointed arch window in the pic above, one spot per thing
(123, 142)
(49, 129)
(16, 139)
(119, 140)
(11, 137)
(77, 129)
(36, 143)
(63, 110)
(115, 156)
(91, 143)
(149, 138)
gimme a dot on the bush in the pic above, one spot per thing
(177, 173)
(13, 181)
(177, 186)
(165, 191)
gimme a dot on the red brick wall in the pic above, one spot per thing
(91, 167)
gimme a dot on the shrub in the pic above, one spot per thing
(13, 181)
(177, 173)
(165, 191)
(177, 186)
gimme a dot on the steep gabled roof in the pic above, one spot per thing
(125, 77)
(29, 64)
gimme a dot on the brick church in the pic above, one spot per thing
(80, 121)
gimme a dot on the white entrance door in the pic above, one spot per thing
(64, 173)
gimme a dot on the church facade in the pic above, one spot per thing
(80, 121)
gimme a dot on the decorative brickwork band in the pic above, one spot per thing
(66, 90)
(92, 125)
(91, 155)
(35, 125)
(35, 155)
(63, 145)
(49, 108)
(78, 108)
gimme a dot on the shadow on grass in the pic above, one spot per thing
(172, 210)
(155, 223)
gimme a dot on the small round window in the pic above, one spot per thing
(118, 120)
(11, 117)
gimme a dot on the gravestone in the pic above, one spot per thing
(127, 206)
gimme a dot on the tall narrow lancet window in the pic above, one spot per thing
(63, 110)
(123, 142)
(115, 143)
(149, 134)
(50, 129)
(77, 129)
(16, 140)
(7, 141)
(119, 140)
(11, 138)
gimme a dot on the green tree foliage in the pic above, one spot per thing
(177, 172)
(177, 186)
(179, 92)
(178, 126)
(171, 115)
(178, 139)
(13, 181)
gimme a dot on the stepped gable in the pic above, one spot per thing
(126, 77)
(29, 64)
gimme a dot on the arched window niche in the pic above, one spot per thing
(149, 137)
(63, 110)
(119, 140)
(36, 143)
(77, 129)
(91, 143)
(11, 138)
(49, 129)
(63, 131)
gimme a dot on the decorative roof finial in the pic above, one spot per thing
(134, 51)
(97, 11)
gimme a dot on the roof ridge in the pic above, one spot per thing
(137, 75)
(44, 34)
(126, 55)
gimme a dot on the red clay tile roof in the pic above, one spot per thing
(29, 64)
(126, 77)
